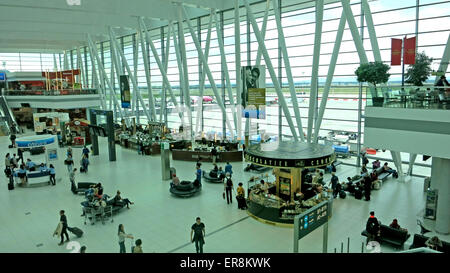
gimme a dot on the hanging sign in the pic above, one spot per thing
(125, 94)
(396, 51)
(253, 94)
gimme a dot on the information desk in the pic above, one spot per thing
(205, 156)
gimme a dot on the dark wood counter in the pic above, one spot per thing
(187, 155)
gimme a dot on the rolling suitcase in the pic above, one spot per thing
(10, 146)
(10, 186)
(81, 170)
(78, 232)
(342, 194)
(358, 194)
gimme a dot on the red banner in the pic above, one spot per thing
(409, 53)
(396, 51)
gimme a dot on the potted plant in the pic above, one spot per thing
(419, 72)
(374, 73)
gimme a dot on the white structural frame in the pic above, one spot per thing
(263, 31)
(111, 88)
(145, 56)
(237, 57)
(315, 68)
(161, 68)
(269, 65)
(203, 75)
(130, 75)
(163, 107)
(180, 71)
(287, 65)
(94, 75)
(225, 68)
(208, 72)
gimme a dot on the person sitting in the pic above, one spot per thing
(386, 168)
(298, 196)
(42, 167)
(214, 171)
(31, 165)
(395, 224)
(364, 169)
(320, 179)
(350, 187)
(374, 176)
(98, 191)
(221, 174)
(22, 174)
(175, 181)
(119, 201)
(316, 177)
(376, 164)
(434, 243)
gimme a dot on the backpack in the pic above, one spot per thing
(229, 182)
(365, 160)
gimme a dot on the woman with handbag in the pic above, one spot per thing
(240, 197)
(228, 187)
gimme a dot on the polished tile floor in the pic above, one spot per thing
(29, 215)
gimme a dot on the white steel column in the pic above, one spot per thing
(80, 67)
(263, 30)
(225, 69)
(273, 75)
(203, 75)
(180, 72)
(412, 159)
(135, 68)
(354, 30)
(372, 33)
(396, 157)
(331, 68)
(161, 68)
(237, 56)
(440, 172)
(55, 63)
(187, 93)
(127, 67)
(315, 68)
(208, 72)
(102, 70)
(66, 61)
(151, 100)
(288, 70)
(166, 64)
(445, 59)
(94, 75)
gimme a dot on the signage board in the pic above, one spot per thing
(253, 93)
(125, 94)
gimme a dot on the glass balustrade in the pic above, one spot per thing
(50, 92)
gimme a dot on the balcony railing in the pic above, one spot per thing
(63, 92)
(418, 97)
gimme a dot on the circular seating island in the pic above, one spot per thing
(185, 189)
(211, 179)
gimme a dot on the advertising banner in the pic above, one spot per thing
(253, 93)
(52, 154)
(396, 51)
(125, 95)
(409, 53)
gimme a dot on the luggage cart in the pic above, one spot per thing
(93, 213)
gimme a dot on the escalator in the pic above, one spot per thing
(8, 116)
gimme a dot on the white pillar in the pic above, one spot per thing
(396, 157)
(237, 58)
(440, 173)
(331, 68)
(315, 68)
(371, 29)
(445, 59)
(412, 159)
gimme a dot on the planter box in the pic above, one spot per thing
(378, 101)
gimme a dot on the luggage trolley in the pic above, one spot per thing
(93, 213)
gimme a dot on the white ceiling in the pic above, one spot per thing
(54, 25)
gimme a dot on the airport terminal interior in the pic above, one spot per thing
(286, 126)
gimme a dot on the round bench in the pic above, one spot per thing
(211, 179)
(185, 189)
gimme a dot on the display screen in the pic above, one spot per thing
(2, 76)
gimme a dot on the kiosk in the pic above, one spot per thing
(279, 202)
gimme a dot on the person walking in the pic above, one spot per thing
(85, 163)
(14, 161)
(214, 154)
(69, 163)
(334, 182)
(228, 169)
(83, 249)
(198, 174)
(8, 160)
(73, 185)
(69, 152)
(63, 221)
(198, 230)
(52, 174)
(122, 236)
(85, 151)
(13, 140)
(372, 227)
(228, 187)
